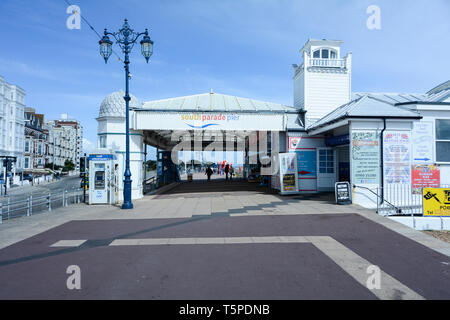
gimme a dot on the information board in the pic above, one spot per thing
(397, 157)
(436, 202)
(288, 173)
(365, 157)
(425, 176)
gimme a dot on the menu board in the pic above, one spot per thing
(342, 193)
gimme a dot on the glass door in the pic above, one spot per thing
(326, 169)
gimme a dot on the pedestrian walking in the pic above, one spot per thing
(209, 172)
(227, 170)
(231, 171)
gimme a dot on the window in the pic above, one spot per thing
(443, 140)
(325, 54)
(326, 161)
(102, 142)
(27, 162)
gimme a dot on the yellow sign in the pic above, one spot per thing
(436, 201)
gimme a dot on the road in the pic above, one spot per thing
(221, 240)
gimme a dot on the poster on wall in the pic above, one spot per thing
(425, 176)
(422, 146)
(365, 154)
(307, 163)
(397, 157)
(288, 173)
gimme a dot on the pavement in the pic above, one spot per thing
(220, 240)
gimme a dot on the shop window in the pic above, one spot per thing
(326, 161)
(443, 140)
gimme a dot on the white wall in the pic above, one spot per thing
(114, 131)
(325, 92)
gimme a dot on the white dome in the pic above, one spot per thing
(114, 105)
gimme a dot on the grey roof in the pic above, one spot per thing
(364, 106)
(393, 98)
(215, 102)
(443, 86)
(438, 94)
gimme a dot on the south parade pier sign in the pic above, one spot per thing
(151, 120)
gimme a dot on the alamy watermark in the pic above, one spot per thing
(74, 280)
(374, 279)
(74, 20)
(374, 20)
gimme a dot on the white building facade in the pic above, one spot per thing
(12, 124)
(374, 141)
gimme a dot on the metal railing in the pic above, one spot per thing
(34, 204)
(150, 184)
(401, 199)
(331, 63)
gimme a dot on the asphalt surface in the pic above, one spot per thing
(32, 269)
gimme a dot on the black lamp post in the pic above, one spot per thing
(126, 38)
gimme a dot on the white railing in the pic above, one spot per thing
(37, 203)
(401, 199)
(330, 63)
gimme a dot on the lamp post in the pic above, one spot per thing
(126, 38)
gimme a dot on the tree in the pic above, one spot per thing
(68, 165)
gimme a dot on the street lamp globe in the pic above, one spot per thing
(105, 47)
(146, 46)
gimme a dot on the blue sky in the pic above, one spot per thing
(243, 47)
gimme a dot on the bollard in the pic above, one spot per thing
(66, 197)
(9, 206)
(49, 202)
(63, 200)
(31, 204)
(1, 213)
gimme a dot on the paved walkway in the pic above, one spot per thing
(221, 240)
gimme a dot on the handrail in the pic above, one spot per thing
(28, 205)
(332, 63)
(397, 209)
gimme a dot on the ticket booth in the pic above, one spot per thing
(103, 184)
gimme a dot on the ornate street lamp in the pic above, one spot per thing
(126, 38)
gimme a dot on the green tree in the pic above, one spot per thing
(68, 165)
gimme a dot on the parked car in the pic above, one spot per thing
(27, 176)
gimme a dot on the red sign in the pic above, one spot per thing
(425, 176)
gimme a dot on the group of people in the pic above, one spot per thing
(228, 169)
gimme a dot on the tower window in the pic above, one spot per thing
(325, 54)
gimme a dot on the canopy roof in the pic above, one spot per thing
(215, 102)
